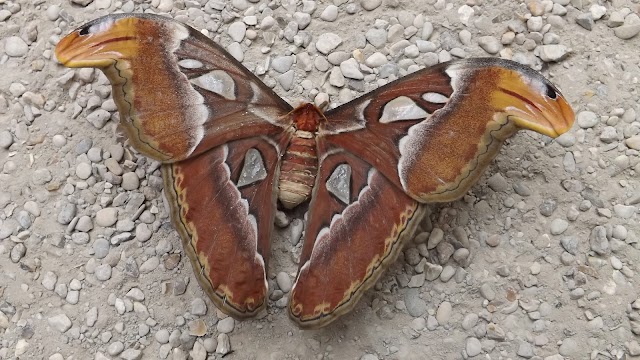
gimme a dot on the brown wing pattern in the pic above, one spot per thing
(434, 132)
(350, 239)
(195, 95)
(223, 204)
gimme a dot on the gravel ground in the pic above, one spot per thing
(90, 267)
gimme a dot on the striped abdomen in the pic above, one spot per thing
(298, 170)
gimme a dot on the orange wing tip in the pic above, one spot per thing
(533, 103)
(99, 44)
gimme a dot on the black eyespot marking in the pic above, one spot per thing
(551, 92)
(84, 31)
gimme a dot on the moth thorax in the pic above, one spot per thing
(298, 170)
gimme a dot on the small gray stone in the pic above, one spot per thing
(130, 181)
(143, 233)
(587, 119)
(624, 211)
(570, 348)
(282, 64)
(551, 52)
(490, 44)
(284, 281)
(473, 347)
(83, 170)
(49, 280)
(435, 238)
(415, 305)
(60, 322)
(135, 294)
(198, 307)
(327, 42)
(330, 13)
(106, 217)
(487, 292)
(16, 47)
(99, 118)
(103, 272)
(162, 336)
(498, 183)
(237, 31)
(598, 240)
(101, 248)
(570, 244)
(626, 32)
(115, 348)
(226, 325)
(149, 265)
(558, 226)
(443, 314)
(586, 21)
(6, 139)
(224, 344)
(370, 4)
(525, 350)
(67, 213)
(547, 207)
(18, 252)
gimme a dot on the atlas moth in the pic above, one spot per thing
(233, 152)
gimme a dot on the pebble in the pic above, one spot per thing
(570, 348)
(149, 265)
(67, 213)
(131, 354)
(224, 344)
(237, 31)
(226, 325)
(330, 13)
(106, 217)
(558, 226)
(370, 4)
(16, 47)
(103, 272)
(443, 314)
(6, 139)
(284, 281)
(435, 238)
(626, 32)
(327, 42)
(587, 119)
(49, 280)
(198, 307)
(60, 322)
(473, 347)
(130, 181)
(414, 304)
(83, 170)
(490, 44)
(552, 52)
(350, 69)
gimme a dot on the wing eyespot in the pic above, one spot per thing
(84, 31)
(551, 92)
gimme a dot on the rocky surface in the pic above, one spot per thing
(537, 261)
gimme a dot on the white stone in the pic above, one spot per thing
(237, 30)
(15, 46)
(350, 69)
(330, 13)
(60, 322)
(327, 42)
